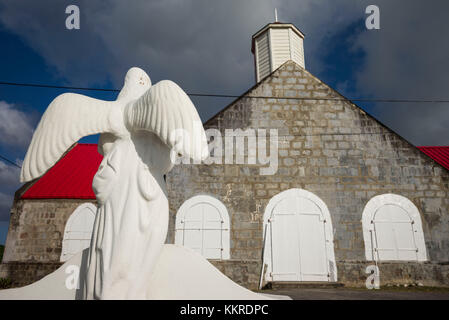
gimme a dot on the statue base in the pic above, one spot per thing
(180, 274)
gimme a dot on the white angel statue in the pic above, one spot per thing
(141, 133)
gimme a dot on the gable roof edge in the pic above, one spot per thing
(334, 90)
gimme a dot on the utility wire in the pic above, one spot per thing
(235, 96)
(37, 85)
(10, 161)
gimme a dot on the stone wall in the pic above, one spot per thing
(245, 273)
(34, 244)
(25, 273)
(431, 274)
(328, 147)
(36, 229)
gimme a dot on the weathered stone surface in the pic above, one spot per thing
(353, 273)
(24, 273)
(245, 272)
(36, 229)
(340, 153)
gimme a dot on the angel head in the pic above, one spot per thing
(135, 84)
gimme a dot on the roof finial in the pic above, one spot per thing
(275, 14)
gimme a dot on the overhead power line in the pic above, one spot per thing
(35, 85)
(10, 161)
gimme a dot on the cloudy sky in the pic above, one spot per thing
(204, 46)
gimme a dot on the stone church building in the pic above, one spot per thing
(324, 190)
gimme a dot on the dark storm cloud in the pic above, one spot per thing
(408, 58)
(205, 47)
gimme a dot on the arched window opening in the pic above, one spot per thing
(202, 224)
(392, 230)
(78, 231)
(298, 238)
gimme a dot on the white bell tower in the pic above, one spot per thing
(275, 44)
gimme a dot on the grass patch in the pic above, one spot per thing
(5, 283)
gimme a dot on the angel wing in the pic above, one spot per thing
(68, 118)
(166, 110)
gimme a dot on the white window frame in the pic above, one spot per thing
(226, 227)
(368, 215)
(81, 209)
(295, 192)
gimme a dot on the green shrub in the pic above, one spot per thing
(5, 283)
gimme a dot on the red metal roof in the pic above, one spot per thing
(70, 178)
(439, 154)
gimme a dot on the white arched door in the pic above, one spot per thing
(78, 230)
(298, 238)
(202, 224)
(392, 230)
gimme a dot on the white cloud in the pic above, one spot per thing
(5, 206)
(9, 183)
(15, 126)
(8, 174)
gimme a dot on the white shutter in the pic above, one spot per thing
(212, 232)
(299, 245)
(285, 244)
(78, 231)
(193, 225)
(312, 241)
(202, 224)
(394, 234)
